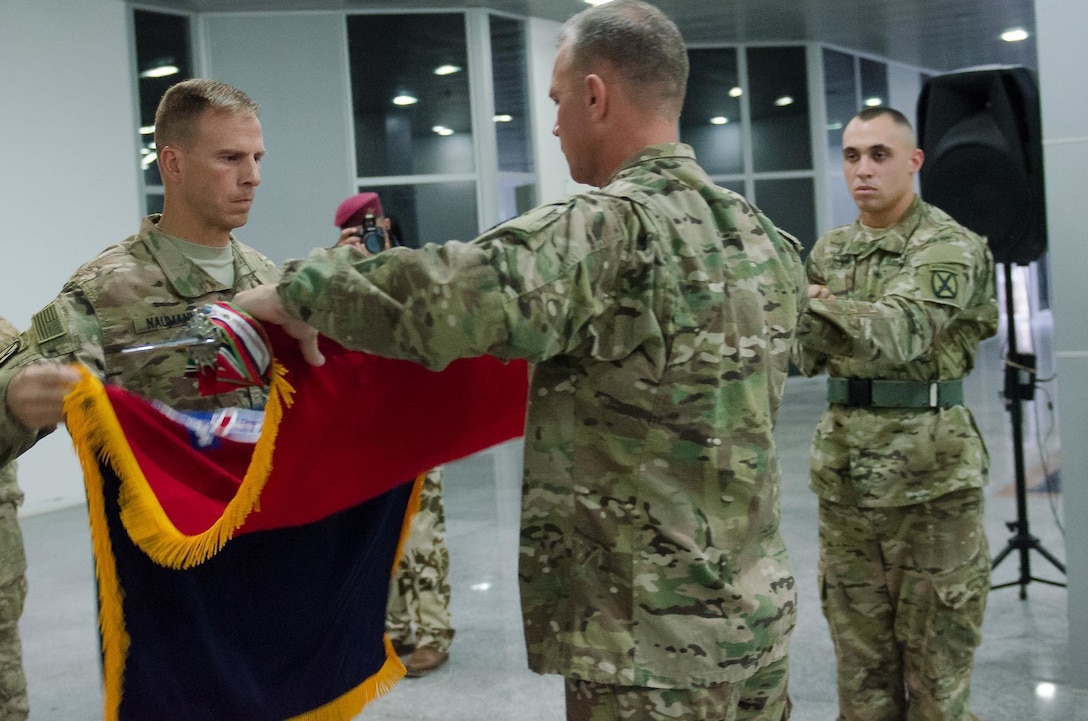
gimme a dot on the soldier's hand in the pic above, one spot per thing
(820, 292)
(263, 303)
(348, 237)
(36, 394)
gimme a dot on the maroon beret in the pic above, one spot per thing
(354, 209)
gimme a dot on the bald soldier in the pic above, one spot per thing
(897, 304)
(657, 312)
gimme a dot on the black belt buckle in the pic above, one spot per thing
(859, 392)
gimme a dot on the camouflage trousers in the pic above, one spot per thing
(419, 595)
(904, 592)
(13, 699)
(763, 697)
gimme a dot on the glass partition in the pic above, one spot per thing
(711, 120)
(410, 94)
(516, 177)
(874, 82)
(790, 203)
(778, 90)
(163, 57)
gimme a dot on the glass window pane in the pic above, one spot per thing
(874, 82)
(710, 120)
(841, 97)
(778, 90)
(790, 204)
(737, 186)
(163, 57)
(430, 212)
(395, 139)
(511, 94)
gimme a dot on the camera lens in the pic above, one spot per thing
(374, 240)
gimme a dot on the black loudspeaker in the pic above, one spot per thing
(982, 137)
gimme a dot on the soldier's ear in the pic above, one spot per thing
(169, 160)
(916, 159)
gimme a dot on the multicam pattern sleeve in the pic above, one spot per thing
(536, 287)
(141, 290)
(658, 313)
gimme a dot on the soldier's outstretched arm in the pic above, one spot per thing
(36, 370)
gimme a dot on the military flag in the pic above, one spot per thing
(243, 564)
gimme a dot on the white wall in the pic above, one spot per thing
(68, 174)
(295, 65)
(904, 87)
(551, 167)
(1062, 57)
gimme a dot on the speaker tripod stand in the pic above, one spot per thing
(1017, 391)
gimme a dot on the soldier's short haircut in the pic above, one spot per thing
(640, 42)
(878, 110)
(183, 104)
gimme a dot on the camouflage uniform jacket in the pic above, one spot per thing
(9, 486)
(141, 290)
(911, 303)
(658, 312)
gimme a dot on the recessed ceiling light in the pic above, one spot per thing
(503, 118)
(834, 126)
(597, 2)
(160, 71)
(147, 129)
(719, 120)
(447, 69)
(873, 102)
(735, 91)
(1015, 35)
(784, 101)
(441, 130)
(405, 99)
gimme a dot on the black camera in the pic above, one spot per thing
(371, 236)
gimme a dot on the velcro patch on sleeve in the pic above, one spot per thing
(945, 283)
(47, 324)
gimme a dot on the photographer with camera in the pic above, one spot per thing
(418, 614)
(363, 224)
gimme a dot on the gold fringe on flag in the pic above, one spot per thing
(97, 433)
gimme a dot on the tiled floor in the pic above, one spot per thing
(1020, 668)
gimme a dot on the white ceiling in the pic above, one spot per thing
(939, 35)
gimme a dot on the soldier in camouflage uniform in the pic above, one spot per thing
(658, 313)
(898, 303)
(13, 699)
(143, 289)
(419, 595)
(418, 616)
